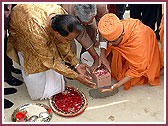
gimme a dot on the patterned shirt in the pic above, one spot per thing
(30, 35)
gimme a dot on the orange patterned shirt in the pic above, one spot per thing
(30, 35)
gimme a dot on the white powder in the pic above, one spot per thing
(35, 110)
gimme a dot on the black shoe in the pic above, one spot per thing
(14, 70)
(14, 82)
(7, 104)
(8, 91)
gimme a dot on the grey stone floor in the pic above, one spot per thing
(139, 104)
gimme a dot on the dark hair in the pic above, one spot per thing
(64, 24)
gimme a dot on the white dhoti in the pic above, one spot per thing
(44, 84)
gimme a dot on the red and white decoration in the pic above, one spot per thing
(101, 77)
(69, 103)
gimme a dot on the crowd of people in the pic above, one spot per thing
(42, 41)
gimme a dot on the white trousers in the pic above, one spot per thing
(42, 85)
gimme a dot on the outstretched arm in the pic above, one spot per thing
(117, 85)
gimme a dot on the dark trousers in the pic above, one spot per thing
(120, 10)
(159, 15)
(147, 13)
(7, 62)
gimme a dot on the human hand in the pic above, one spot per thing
(85, 80)
(103, 60)
(82, 69)
(94, 66)
(110, 89)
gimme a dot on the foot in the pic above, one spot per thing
(7, 104)
(14, 70)
(14, 82)
(8, 91)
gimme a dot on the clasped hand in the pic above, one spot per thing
(101, 61)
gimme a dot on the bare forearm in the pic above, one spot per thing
(93, 53)
(123, 81)
(103, 52)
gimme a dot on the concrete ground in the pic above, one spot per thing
(140, 104)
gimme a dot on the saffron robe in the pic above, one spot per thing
(137, 56)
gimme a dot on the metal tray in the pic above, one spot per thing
(33, 112)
